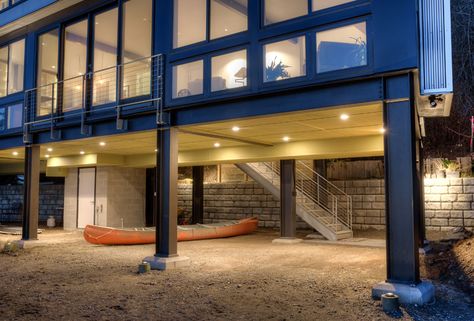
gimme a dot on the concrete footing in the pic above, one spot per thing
(287, 240)
(167, 263)
(420, 294)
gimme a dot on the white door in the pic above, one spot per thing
(86, 197)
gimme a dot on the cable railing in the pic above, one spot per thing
(313, 189)
(114, 88)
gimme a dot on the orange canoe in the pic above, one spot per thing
(113, 236)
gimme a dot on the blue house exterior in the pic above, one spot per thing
(86, 70)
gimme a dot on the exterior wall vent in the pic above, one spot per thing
(435, 74)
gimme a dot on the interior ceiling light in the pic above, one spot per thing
(344, 117)
(216, 145)
(286, 139)
(235, 129)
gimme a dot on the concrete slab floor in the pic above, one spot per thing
(241, 278)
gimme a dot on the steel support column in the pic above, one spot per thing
(287, 199)
(31, 193)
(167, 194)
(198, 194)
(402, 193)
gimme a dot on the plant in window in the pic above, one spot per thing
(360, 51)
(276, 71)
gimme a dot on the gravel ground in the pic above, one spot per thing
(243, 278)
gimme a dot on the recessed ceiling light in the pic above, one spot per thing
(47, 156)
(217, 145)
(102, 144)
(15, 153)
(156, 150)
(54, 67)
(344, 117)
(382, 130)
(50, 149)
(286, 139)
(235, 128)
(82, 152)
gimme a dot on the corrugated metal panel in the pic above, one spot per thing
(435, 47)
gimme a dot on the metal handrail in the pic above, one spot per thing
(316, 189)
(75, 96)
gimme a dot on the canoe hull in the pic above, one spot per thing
(111, 236)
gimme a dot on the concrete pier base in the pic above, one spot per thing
(287, 240)
(167, 263)
(420, 294)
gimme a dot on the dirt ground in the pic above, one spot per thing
(242, 278)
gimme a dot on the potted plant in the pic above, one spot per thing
(452, 169)
(276, 71)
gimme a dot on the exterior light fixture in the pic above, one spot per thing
(47, 156)
(82, 152)
(50, 149)
(235, 129)
(217, 145)
(382, 130)
(102, 144)
(15, 153)
(286, 139)
(344, 117)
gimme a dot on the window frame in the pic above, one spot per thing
(208, 77)
(171, 79)
(208, 29)
(7, 44)
(6, 109)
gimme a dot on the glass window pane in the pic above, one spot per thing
(75, 64)
(3, 71)
(281, 10)
(228, 17)
(342, 48)
(324, 4)
(285, 59)
(3, 4)
(16, 67)
(188, 79)
(189, 22)
(15, 116)
(229, 71)
(105, 57)
(2, 119)
(47, 73)
(137, 29)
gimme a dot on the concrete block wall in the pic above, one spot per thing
(51, 203)
(449, 203)
(233, 201)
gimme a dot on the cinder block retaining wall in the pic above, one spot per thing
(446, 202)
(11, 202)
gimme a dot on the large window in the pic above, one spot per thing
(11, 117)
(281, 10)
(229, 71)
(12, 68)
(75, 65)
(227, 17)
(324, 4)
(47, 75)
(285, 59)
(188, 79)
(342, 48)
(105, 57)
(137, 31)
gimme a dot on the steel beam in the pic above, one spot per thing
(167, 192)
(198, 195)
(287, 198)
(402, 193)
(31, 193)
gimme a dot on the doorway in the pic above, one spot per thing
(86, 197)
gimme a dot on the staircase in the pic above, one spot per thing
(321, 204)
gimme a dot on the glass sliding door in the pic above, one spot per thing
(75, 65)
(16, 67)
(105, 57)
(3, 71)
(137, 31)
(47, 74)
